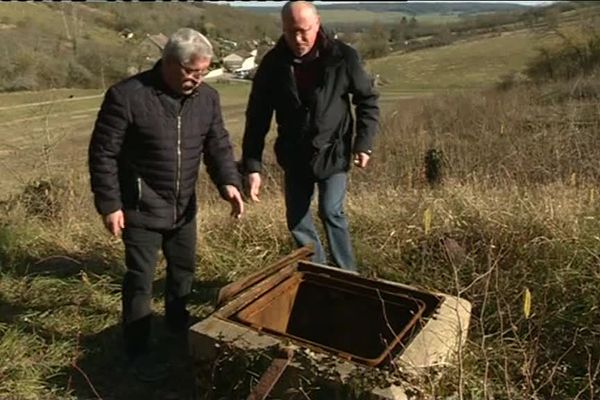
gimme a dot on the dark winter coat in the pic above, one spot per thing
(314, 136)
(146, 149)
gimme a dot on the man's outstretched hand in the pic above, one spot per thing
(361, 160)
(114, 222)
(254, 182)
(233, 196)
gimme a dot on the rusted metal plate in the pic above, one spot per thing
(273, 310)
(270, 377)
(233, 289)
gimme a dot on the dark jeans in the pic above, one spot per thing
(141, 255)
(299, 191)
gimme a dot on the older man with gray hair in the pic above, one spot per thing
(150, 135)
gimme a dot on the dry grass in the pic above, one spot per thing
(529, 135)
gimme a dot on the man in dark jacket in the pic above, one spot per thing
(150, 135)
(307, 79)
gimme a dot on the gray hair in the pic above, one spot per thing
(187, 44)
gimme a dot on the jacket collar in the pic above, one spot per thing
(326, 46)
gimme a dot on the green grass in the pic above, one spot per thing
(53, 111)
(23, 98)
(365, 17)
(233, 94)
(54, 106)
(463, 65)
(58, 107)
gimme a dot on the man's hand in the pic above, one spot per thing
(114, 222)
(233, 196)
(254, 185)
(361, 159)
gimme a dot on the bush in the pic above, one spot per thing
(52, 72)
(42, 198)
(23, 82)
(573, 59)
(510, 80)
(105, 64)
(80, 76)
(375, 43)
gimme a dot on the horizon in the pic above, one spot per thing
(275, 4)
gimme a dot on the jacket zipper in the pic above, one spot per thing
(178, 178)
(139, 197)
(294, 86)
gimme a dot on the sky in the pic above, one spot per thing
(280, 3)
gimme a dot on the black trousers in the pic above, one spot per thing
(141, 256)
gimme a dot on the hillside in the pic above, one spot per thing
(220, 20)
(481, 60)
(409, 8)
(465, 64)
(51, 45)
(427, 12)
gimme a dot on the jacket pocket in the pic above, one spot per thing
(334, 156)
(328, 160)
(291, 154)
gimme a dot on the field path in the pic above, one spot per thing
(45, 103)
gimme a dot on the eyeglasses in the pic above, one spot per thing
(302, 32)
(194, 73)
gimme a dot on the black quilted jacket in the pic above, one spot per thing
(146, 149)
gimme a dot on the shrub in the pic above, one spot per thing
(574, 58)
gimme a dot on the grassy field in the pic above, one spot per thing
(231, 94)
(517, 213)
(365, 17)
(22, 99)
(462, 65)
(43, 131)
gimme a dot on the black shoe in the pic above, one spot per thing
(147, 368)
(178, 322)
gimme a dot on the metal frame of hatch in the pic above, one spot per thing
(238, 295)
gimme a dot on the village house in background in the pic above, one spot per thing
(239, 63)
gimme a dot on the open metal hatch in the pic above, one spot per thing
(329, 310)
